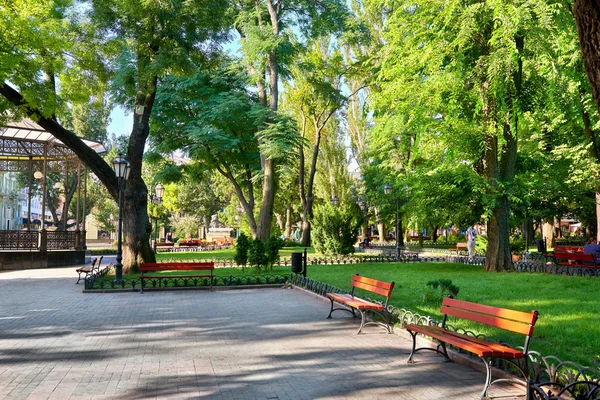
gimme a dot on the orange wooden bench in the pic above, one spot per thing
(581, 260)
(176, 266)
(515, 321)
(89, 269)
(355, 303)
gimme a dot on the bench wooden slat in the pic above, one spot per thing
(435, 331)
(373, 282)
(355, 302)
(519, 316)
(370, 288)
(488, 320)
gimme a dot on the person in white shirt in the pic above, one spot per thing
(471, 236)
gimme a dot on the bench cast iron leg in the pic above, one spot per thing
(412, 352)
(362, 320)
(443, 353)
(78, 279)
(329, 316)
(488, 378)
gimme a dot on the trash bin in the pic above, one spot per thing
(297, 263)
(541, 245)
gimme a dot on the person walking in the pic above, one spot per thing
(471, 237)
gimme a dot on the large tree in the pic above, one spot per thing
(143, 41)
(587, 16)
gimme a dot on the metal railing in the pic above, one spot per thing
(19, 240)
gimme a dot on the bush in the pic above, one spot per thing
(272, 250)
(241, 250)
(334, 228)
(256, 254)
(435, 291)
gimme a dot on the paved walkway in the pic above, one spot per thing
(58, 343)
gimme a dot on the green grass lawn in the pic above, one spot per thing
(569, 307)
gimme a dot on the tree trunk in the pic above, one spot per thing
(265, 217)
(381, 230)
(587, 18)
(288, 221)
(137, 227)
(548, 232)
(434, 235)
(498, 257)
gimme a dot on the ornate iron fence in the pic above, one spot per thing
(550, 378)
(19, 240)
(60, 240)
(99, 282)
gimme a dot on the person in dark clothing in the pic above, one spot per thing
(592, 247)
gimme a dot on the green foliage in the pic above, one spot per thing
(274, 244)
(435, 291)
(186, 226)
(334, 228)
(241, 250)
(256, 254)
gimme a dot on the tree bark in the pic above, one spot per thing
(137, 227)
(288, 221)
(587, 18)
(548, 232)
(381, 230)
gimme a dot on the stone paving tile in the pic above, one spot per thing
(58, 343)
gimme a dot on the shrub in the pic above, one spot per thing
(241, 250)
(435, 291)
(334, 228)
(272, 250)
(256, 254)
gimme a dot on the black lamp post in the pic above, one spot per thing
(157, 199)
(364, 206)
(387, 189)
(121, 166)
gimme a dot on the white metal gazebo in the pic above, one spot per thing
(27, 147)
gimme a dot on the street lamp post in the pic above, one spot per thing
(157, 199)
(387, 189)
(364, 206)
(121, 167)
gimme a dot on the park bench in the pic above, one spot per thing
(165, 244)
(582, 260)
(515, 321)
(176, 266)
(355, 303)
(89, 269)
(461, 246)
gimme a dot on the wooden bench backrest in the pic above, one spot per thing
(461, 245)
(574, 256)
(372, 285)
(179, 266)
(568, 249)
(510, 320)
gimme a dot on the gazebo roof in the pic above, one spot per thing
(28, 130)
(24, 145)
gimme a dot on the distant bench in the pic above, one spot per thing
(515, 321)
(176, 266)
(89, 269)
(461, 246)
(581, 260)
(355, 303)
